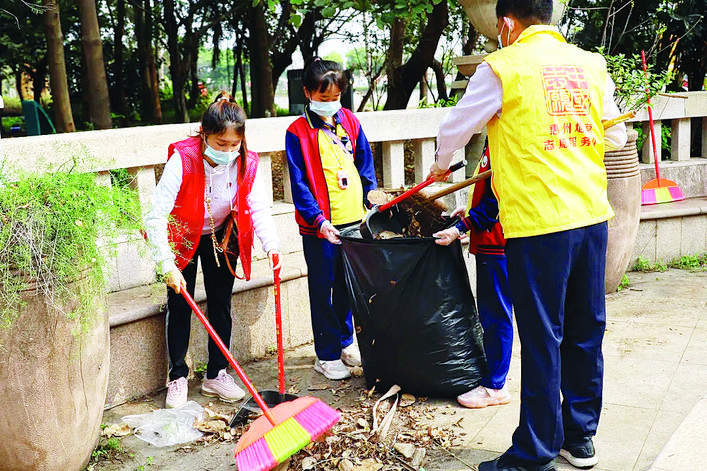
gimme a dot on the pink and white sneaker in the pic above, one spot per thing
(222, 386)
(481, 397)
(176, 393)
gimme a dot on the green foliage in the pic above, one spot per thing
(690, 262)
(645, 266)
(106, 450)
(625, 283)
(665, 140)
(200, 370)
(50, 227)
(448, 103)
(627, 73)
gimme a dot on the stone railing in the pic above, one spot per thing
(141, 149)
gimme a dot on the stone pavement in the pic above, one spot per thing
(655, 403)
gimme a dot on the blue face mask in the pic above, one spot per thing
(220, 157)
(325, 109)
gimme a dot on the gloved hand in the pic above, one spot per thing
(271, 260)
(460, 211)
(175, 280)
(437, 173)
(330, 232)
(446, 236)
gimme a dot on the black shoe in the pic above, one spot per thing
(581, 455)
(501, 464)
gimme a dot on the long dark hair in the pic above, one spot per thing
(320, 74)
(222, 114)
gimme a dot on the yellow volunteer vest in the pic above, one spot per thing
(346, 205)
(548, 143)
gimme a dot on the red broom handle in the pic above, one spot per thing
(239, 371)
(278, 323)
(418, 187)
(650, 117)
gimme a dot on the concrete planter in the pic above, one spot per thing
(482, 14)
(624, 189)
(54, 378)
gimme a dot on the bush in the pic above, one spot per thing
(50, 226)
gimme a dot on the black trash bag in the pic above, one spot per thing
(415, 315)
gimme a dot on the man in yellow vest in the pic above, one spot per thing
(543, 101)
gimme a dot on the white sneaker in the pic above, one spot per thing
(351, 356)
(222, 386)
(334, 369)
(481, 397)
(176, 393)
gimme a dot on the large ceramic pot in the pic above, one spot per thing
(624, 188)
(53, 381)
(482, 14)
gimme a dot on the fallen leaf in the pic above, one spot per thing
(212, 426)
(368, 464)
(293, 389)
(116, 430)
(318, 387)
(407, 400)
(405, 449)
(346, 465)
(357, 371)
(363, 423)
(309, 463)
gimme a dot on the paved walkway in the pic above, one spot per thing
(655, 403)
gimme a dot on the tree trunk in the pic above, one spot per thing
(439, 77)
(39, 78)
(118, 61)
(262, 92)
(395, 55)
(153, 83)
(63, 118)
(97, 87)
(403, 79)
(176, 65)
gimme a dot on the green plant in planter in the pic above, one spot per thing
(630, 80)
(51, 225)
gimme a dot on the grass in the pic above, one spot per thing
(625, 283)
(686, 262)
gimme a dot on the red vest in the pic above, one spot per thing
(188, 214)
(309, 141)
(486, 242)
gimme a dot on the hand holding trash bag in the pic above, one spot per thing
(446, 236)
(330, 232)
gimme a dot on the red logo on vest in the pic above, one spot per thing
(566, 90)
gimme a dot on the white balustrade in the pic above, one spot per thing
(140, 149)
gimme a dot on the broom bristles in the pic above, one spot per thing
(303, 420)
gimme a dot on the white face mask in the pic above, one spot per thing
(325, 109)
(220, 157)
(506, 22)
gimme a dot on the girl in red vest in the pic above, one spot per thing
(331, 172)
(205, 178)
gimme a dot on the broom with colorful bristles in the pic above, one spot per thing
(283, 430)
(658, 190)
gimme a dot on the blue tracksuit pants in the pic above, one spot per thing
(493, 300)
(332, 321)
(557, 288)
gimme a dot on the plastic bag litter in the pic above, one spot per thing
(167, 427)
(415, 315)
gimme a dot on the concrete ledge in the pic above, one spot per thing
(686, 207)
(669, 231)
